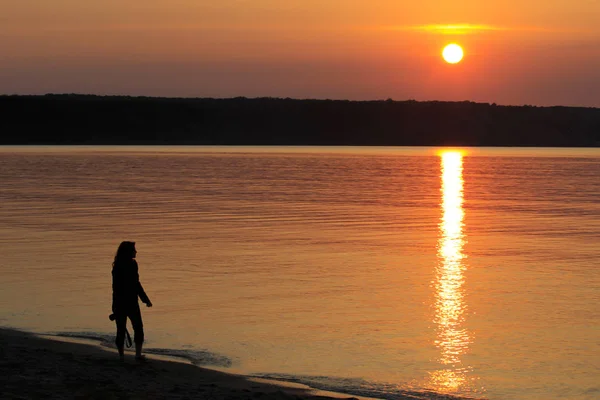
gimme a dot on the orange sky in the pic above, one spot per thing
(516, 52)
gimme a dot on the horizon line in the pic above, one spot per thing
(389, 99)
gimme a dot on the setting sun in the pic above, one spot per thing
(452, 53)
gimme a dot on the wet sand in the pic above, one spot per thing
(33, 367)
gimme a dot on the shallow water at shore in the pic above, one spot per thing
(392, 269)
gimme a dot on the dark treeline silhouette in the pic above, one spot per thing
(87, 119)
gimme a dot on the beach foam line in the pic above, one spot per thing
(364, 389)
(322, 385)
(36, 366)
(202, 358)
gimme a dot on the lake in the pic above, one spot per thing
(374, 271)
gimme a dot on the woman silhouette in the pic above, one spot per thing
(126, 289)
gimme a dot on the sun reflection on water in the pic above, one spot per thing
(452, 338)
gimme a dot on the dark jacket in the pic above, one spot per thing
(126, 285)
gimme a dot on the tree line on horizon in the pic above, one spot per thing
(122, 120)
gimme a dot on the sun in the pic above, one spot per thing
(452, 53)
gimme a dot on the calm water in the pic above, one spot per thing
(380, 271)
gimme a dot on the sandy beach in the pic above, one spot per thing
(33, 367)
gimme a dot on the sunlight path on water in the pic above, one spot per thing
(452, 338)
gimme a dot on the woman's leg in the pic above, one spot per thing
(138, 328)
(121, 320)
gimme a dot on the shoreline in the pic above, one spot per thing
(43, 365)
(123, 120)
(36, 366)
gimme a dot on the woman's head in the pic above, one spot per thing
(125, 252)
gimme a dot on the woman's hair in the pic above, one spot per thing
(124, 252)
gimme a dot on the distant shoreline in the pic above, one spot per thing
(72, 119)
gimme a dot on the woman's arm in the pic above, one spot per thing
(143, 295)
(140, 289)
